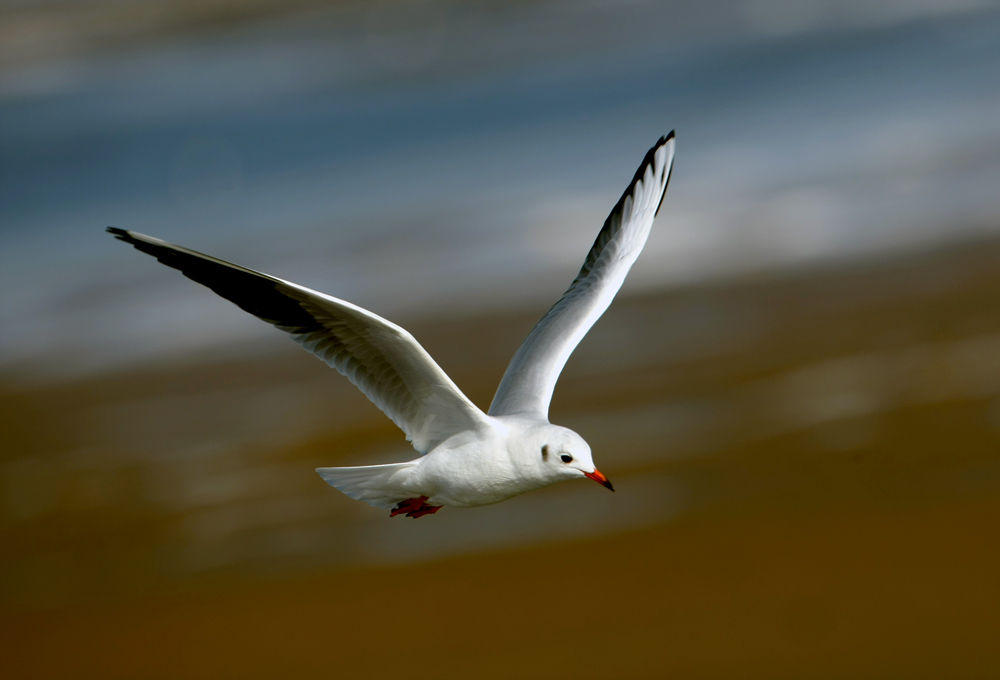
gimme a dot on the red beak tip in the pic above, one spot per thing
(599, 477)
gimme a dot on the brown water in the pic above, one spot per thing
(808, 475)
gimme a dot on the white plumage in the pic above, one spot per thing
(471, 458)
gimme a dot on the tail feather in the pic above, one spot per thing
(380, 485)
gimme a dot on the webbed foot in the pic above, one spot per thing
(414, 507)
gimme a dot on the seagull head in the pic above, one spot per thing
(563, 454)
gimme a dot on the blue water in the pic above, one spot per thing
(470, 182)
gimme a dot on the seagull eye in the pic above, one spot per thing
(566, 458)
(545, 452)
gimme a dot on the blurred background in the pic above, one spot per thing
(797, 393)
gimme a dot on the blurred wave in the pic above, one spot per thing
(477, 178)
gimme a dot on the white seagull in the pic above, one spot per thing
(469, 458)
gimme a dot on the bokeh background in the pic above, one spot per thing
(797, 393)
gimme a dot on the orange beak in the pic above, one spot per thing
(599, 477)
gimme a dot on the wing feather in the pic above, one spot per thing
(530, 379)
(383, 360)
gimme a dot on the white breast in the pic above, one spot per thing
(469, 470)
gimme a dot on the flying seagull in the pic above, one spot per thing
(469, 458)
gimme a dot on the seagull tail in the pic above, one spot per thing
(380, 485)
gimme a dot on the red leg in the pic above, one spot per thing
(409, 505)
(414, 507)
(425, 510)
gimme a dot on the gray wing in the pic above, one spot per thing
(380, 358)
(531, 377)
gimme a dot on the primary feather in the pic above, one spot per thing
(528, 383)
(383, 360)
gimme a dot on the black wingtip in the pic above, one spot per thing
(120, 234)
(663, 140)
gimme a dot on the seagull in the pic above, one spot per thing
(468, 458)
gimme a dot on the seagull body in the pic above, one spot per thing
(470, 458)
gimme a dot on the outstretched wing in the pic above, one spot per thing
(531, 377)
(380, 358)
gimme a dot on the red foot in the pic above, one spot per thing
(414, 507)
